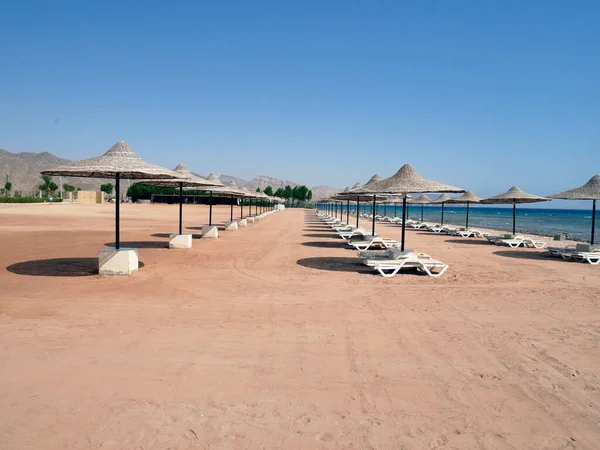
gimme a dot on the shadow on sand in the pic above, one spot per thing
(168, 235)
(325, 244)
(321, 235)
(468, 241)
(335, 264)
(526, 254)
(140, 244)
(58, 267)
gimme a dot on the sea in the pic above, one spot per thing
(576, 224)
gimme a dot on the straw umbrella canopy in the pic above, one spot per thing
(441, 200)
(186, 179)
(589, 191)
(119, 162)
(467, 198)
(231, 190)
(420, 200)
(512, 197)
(406, 181)
(340, 197)
(250, 195)
(213, 178)
(356, 194)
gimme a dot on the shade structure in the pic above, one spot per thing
(361, 198)
(467, 198)
(356, 195)
(186, 179)
(420, 200)
(250, 196)
(403, 182)
(212, 177)
(512, 197)
(441, 200)
(119, 162)
(589, 191)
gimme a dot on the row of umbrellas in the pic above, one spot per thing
(120, 162)
(407, 181)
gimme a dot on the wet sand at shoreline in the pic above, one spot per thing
(275, 336)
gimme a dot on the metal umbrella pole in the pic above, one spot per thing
(403, 221)
(180, 208)
(117, 210)
(373, 226)
(593, 221)
(210, 209)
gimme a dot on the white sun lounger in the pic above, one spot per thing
(390, 267)
(374, 241)
(581, 253)
(435, 228)
(471, 232)
(352, 233)
(519, 241)
(390, 253)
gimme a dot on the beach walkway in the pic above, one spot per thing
(276, 337)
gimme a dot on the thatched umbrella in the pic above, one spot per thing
(186, 179)
(468, 197)
(213, 178)
(356, 194)
(119, 162)
(249, 195)
(420, 200)
(511, 197)
(231, 190)
(589, 191)
(403, 182)
(441, 200)
(339, 196)
(353, 195)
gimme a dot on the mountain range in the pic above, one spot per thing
(24, 169)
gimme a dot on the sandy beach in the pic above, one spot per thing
(275, 336)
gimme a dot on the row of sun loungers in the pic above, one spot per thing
(582, 252)
(390, 260)
(585, 253)
(515, 240)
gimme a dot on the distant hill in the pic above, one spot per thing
(24, 169)
(321, 192)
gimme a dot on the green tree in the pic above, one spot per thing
(68, 188)
(279, 193)
(269, 191)
(48, 186)
(287, 193)
(7, 187)
(257, 189)
(108, 188)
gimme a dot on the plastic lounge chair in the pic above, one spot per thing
(374, 241)
(494, 239)
(390, 253)
(435, 228)
(583, 253)
(390, 267)
(353, 233)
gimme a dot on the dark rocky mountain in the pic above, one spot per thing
(24, 169)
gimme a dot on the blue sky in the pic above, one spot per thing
(482, 95)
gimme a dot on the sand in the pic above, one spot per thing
(275, 337)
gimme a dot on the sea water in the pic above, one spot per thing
(575, 223)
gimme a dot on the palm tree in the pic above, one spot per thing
(47, 182)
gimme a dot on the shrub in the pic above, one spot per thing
(27, 200)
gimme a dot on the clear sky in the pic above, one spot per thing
(479, 94)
